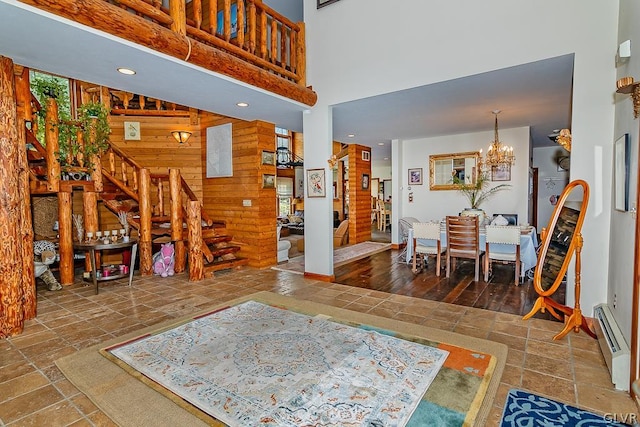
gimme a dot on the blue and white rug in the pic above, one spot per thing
(526, 409)
(257, 365)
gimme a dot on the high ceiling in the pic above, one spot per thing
(536, 94)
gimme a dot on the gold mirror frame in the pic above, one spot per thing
(451, 156)
(555, 250)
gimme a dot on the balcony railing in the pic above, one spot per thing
(246, 39)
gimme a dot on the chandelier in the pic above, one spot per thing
(564, 139)
(498, 154)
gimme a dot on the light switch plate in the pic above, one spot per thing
(246, 203)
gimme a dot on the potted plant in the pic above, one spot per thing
(478, 191)
(44, 87)
(93, 118)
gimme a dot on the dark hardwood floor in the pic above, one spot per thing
(386, 272)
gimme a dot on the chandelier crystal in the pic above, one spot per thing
(498, 154)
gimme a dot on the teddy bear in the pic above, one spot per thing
(164, 260)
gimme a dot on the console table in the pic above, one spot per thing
(100, 246)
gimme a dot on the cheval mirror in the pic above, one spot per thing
(560, 240)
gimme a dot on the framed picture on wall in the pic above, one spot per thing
(268, 158)
(316, 186)
(621, 173)
(323, 3)
(268, 181)
(501, 173)
(365, 181)
(415, 176)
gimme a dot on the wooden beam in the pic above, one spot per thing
(111, 19)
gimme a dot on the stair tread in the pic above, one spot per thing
(224, 264)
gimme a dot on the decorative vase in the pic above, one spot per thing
(474, 212)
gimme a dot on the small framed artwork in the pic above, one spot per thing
(621, 173)
(415, 176)
(316, 186)
(132, 131)
(501, 173)
(268, 158)
(323, 3)
(268, 181)
(365, 181)
(366, 156)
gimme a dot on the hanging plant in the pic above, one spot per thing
(43, 87)
(93, 117)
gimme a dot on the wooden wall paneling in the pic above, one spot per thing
(254, 227)
(359, 199)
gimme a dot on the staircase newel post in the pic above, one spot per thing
(65, 230)
(194, 227)
(177, 219)
(144, 197)
(95, 164)
(12, 291)
(90, 214)
(52, 145)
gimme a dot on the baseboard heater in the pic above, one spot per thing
(613, 345)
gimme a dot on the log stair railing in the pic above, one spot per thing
(158, 206)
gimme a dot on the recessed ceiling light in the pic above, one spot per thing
(242, 104)
(351, 135)
(386, 158)
(380, 143)
(127, 71)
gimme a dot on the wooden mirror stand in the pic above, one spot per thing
(560, 240)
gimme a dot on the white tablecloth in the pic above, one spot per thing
(528, 245)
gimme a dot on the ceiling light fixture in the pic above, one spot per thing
(242, 104)
(498, 154)
(351, 135)
(380, 143)
(181, 135)
(127, 71)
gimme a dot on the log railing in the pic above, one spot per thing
(248, 29)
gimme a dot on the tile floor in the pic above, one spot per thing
(34, 392)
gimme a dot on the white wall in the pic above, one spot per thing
(550, 181)
(621, 258)
(430, 205)
(358, 58)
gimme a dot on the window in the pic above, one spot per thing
(283, 138)
(284, 192)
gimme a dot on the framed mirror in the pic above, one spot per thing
(561, 240)
(443, 167)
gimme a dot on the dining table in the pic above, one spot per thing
(528, 245)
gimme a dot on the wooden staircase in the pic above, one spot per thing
(160, 207)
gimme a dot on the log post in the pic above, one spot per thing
(175, 198)
(274, 41)
(213, 16)
(196, 262)
(197, 14)
(252, 26)
(240, 21)
(25, 113)
(144, 196)
(52, 145)
(160, 206)
(226, 29)
(65, 230)
(11, 252)
(90, 214)
(262, 44)
(95, 163)
(178, 12)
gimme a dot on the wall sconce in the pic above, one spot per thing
(181, 135)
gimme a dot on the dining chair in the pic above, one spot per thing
(384, 216)
(503, 235)
(463, 241)
(427, 231)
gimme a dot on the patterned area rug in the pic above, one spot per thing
(461, 394)
(341, 256)
(254, 364)
(526, 409)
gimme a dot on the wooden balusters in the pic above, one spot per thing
(112, 163)
(95, 166)
(194, 227)
(197, 12)
(283, 45)
(125, 173)
(274, 41)
(213, 16)
(263, 35)
(240, 23)
(301, 62)
(293, 50)
(52, 145)
(159, 209)
(252, 27)
(80, 154)
(175, 196)
(144, 197)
